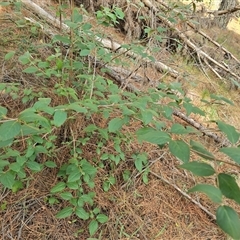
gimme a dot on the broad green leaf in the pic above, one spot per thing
(92, 227)
(228, 221)
(180, 150)
(201, 150)
(102, 218)
(7, 179)
(17, 186)
(229, 187)
(84, 52)
(147, 116)
(87, 168)
(76, 107)
(30, 129)
(77, 17)
(178, 129)
(9, 130)
(31, 69)
(82, 214)
(66, 195)
(74, 175)
(115, 124)
(3, 112)
(6, 143)
(65, 212)
(199, 168)
(140, 160)
(35, 166)
(42, 103)
(233, 153)
(59, 118)
(58, 187)
(229, 130)
(153, 136)
(9, 55)
(3, 163)
(50, 164)
(212, 192)
(16, 167)
(73, 185)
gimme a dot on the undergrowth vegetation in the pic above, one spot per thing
(69, 106)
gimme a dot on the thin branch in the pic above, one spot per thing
(184, 194)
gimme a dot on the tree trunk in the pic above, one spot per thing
(223, 20)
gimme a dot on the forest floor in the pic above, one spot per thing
(152, 211)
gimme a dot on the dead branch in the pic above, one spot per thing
(227, 11)
(185, 39)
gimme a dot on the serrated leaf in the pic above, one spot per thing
(81, 213)
(212, 192)
(115, 124)
(65, 212)
(9, 130)
(102, 218)
(233, 153)
(180, 150)
(58, 187)
(228, 221)
(153, 136)
(146, 116)
(9, 55)
(35, 166)
(230, 131)
(59, 118)
(74, 175)
(201, 150)
(7, 179)
(199, 168)
(92, 227)
(66, 195)
(229, 187)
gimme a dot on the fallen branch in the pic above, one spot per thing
(184, 38)
(184, 194)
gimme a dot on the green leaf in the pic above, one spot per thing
(9, 130)
(212, 192)
(9, 55)
(228, 221)
(84, 52)
(31, 69)
(140, 160)
(34, 166)
(59, 118)
(147, 116)
(200, 150)
(65, 212)
(229, 130)
(93, 226)
(180, 150)
(81, 213)
(66, 195)
(221, 98)
(199, 168)
(102, 218)
(50, 164)
(229, 187)
(58, 187)
(115, 124)
(87, 168)
(17, 186)
(74, 175)
(153, 136)
(16, 167)
(7, 179)
(3, 112)
(233, 153)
